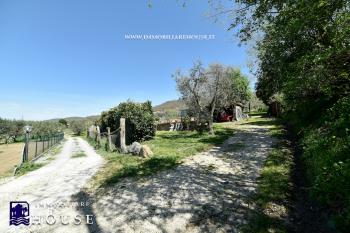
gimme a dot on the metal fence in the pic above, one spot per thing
(35, 147)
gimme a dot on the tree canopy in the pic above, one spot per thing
(12, 130)
(205, 90)
(139, 120)
(304, 50)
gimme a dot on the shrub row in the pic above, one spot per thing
(327, 159)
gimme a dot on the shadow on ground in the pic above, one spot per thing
(207, 193)
(84, 197)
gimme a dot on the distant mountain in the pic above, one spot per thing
(90, 118)
(170, 105)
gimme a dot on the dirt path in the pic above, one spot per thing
(49, 185)
(207, 193)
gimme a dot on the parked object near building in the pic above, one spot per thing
(224, 117)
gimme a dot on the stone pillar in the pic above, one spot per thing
(122, 135)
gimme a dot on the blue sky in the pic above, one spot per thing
(62, 58)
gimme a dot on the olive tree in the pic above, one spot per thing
(205, 90)
(77, 126)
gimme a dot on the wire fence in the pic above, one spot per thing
(107, 139)
(110, 140)
(36, 147)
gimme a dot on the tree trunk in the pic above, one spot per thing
(211, 129)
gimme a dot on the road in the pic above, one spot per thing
(49, 189)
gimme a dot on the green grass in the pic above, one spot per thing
(28, 167)
(274, 185)
(52, 152)
(78, 154)
(169, 149)
(32, 166)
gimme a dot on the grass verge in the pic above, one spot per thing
(78, 154)
(169, 149)
(274, 184)
(42, 161)
(28, 167)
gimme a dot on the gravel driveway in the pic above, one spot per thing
(208, 192)
(50, 187)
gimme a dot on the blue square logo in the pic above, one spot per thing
(19, 213)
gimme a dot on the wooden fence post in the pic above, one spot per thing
(36, 147)
(109, 137)
(26, 147)
(98, 136)
(122, 135)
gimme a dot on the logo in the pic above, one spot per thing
(19, 213)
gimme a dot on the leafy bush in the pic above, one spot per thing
(327, 156)
(77, 127)
(63, 122)
(139, 120)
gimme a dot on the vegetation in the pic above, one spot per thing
(12, 130)
(28, 167)
(170, 105)
(139, 120)
(206, 90)
(55, 150)
(303, 69)
(77, 126)
(256, 105)
(169, 149)
(63, 122)
(78, 154)
(326, 155)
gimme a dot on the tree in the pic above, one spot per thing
(6, 128)
(63, 122)
(237, 90)
(139, 120)
(77, 126)
(200, 90)
(205, 90)
(12, 130)
(44, 128)
(256, 104)
(303, 53)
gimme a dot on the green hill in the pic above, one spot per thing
(89, 118)
(170, 105)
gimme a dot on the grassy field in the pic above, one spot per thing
(169, 149)
(10, 156)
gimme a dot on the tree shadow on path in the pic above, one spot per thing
(209, 192)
